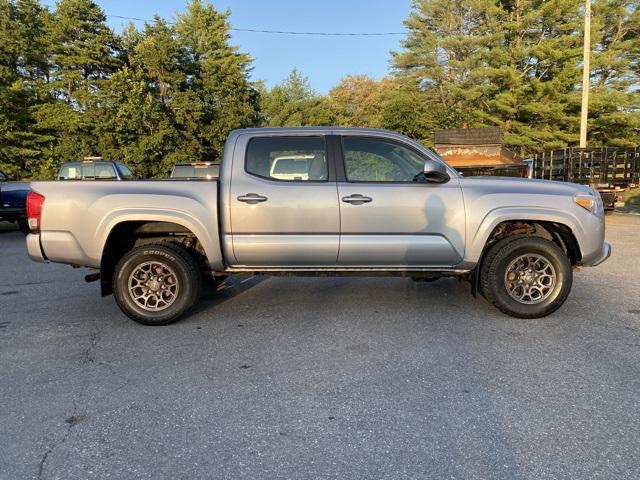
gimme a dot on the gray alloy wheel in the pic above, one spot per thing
(530, 279)
(153, 286)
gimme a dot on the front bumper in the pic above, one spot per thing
(34, 249)
(601, 256)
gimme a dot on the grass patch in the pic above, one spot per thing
(632, 197)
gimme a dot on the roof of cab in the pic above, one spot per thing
(325, 130)
(377, 132)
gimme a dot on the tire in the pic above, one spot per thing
(156, 284)
(518, 285)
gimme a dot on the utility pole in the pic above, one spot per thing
(584, 112)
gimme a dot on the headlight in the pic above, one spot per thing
(586, 200)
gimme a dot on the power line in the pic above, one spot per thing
(128, 18)
(326, 34)
(287, 32)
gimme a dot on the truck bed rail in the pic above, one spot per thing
(606, 167)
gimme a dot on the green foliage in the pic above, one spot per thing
(81, 50)
(136, 127)
(70, 87)
(355, 102)
(293, 103)
(169, 92)
(22, 63)
(615, 67)
(518, 64)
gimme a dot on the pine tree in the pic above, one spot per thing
(82, 53)
(447, 49)
(83, 49)
(534, 95)
(158, 55)
(183, 89)
(614, 106)
(517, 64)
(219, 97)
(23, 68)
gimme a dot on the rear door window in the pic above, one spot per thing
(293, 159)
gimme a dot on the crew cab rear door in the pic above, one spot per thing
(390, 218)
(283, 202)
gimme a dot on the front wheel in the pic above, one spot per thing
(526, 277)
(155, 284)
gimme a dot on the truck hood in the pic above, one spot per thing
(524, 185)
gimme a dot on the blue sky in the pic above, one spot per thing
(325, 60)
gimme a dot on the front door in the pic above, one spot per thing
(284, 203)
(389, 215)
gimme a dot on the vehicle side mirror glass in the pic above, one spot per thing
(435, 172)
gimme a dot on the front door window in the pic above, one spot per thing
(378, 160)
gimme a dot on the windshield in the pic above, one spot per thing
(125, 173)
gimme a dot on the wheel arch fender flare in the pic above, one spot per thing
(506, 214)
(208, 239)
(476, 250)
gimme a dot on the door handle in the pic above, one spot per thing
(252, 198)
(356, 199)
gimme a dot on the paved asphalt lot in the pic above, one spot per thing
(320, 378)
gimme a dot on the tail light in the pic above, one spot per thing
(34, 210)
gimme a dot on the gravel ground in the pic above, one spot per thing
(308, 378)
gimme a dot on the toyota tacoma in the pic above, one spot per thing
(369, 202)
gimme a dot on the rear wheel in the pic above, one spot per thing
(155, 284)
(526, 277)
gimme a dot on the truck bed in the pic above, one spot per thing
(78, 217)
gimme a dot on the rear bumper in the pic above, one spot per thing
(34, 249)
(601, 256)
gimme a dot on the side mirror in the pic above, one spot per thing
(435, 172)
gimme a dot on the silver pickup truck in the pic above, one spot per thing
(369, 202)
